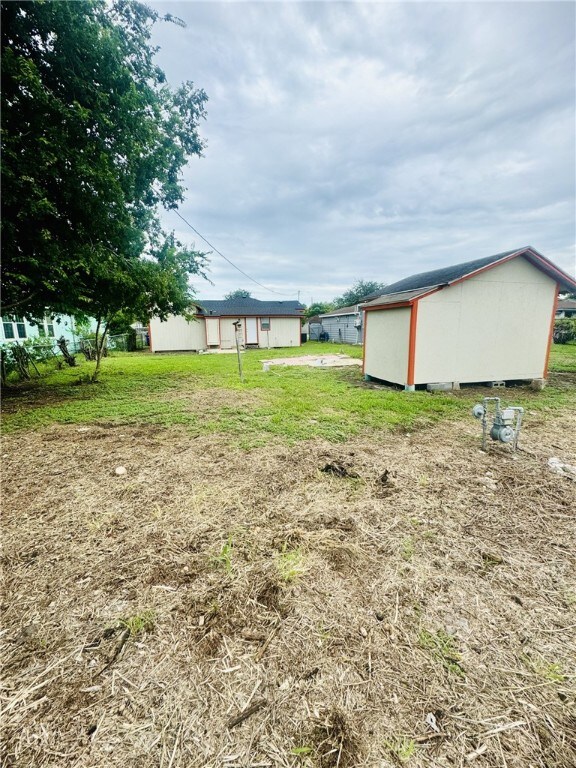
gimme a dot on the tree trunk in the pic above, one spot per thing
(100, 342)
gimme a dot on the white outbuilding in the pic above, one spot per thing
(488, 320)
(263, 324)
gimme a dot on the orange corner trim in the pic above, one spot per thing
(551, 332)
(412, 344)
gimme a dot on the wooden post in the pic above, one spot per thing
(238, 333)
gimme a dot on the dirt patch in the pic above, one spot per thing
(419, 607)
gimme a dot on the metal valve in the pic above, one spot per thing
(506, 422)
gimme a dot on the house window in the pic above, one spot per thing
(20, 327)
(8, 329)
(264, 323)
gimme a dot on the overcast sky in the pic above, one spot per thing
(372, 141)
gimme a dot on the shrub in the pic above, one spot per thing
(564, 330)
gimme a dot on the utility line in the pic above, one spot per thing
(226, 258)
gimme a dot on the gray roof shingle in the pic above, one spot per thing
(250, 308)
(447, 275)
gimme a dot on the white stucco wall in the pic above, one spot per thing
(386, 344)
(176, 334)
(490, 327)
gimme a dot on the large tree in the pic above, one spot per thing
(359, 291)
(239, 293)
(93, 143)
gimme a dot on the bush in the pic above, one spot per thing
(564, 330)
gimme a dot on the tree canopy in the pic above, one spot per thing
(239, 293)
(318, 308)
(359, 291)
(94, 142)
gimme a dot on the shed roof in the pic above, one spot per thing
(250, 308)
(341, 311)
(448, 275)
(397, 298)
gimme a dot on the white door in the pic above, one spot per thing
(212, 332)
(251, 330)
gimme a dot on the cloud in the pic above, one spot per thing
(350, 140)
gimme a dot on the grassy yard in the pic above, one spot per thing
(204, 394)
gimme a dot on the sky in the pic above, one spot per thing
(372, 141)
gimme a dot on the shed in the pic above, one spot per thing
(264, 324)
(485, 320)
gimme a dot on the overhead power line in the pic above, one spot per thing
(227, 259)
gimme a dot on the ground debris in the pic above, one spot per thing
(339, 469)
(343, 610)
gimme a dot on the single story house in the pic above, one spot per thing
(345, 325)
(566, 308)
(264, 324)
(485, 320)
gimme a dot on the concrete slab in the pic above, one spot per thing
(316, 361)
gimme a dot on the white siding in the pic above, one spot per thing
(284, 332)
(386, 346)
(212, 331)
(490, 327)
(227, 332)
(176, 334)
(342, 328)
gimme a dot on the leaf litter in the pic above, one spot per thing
(147, 620)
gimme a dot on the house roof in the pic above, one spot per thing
(416, 285)
(249, 308)
(402, 297)
(342, 311)
(566, 304)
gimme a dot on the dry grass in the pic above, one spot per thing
(144, 614)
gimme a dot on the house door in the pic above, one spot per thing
(251, 330)
(212, 332)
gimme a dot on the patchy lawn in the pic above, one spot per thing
(294, 571)
(203, 393)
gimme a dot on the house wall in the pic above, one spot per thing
(176, 334)
(63, 325)
(494, 326)
(284, 332)
(341, 328)
(386, 345)
(227, 332)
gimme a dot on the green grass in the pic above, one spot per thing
(443, 649)
(563, 357)
(203, 394)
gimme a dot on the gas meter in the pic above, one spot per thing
(506, 422)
